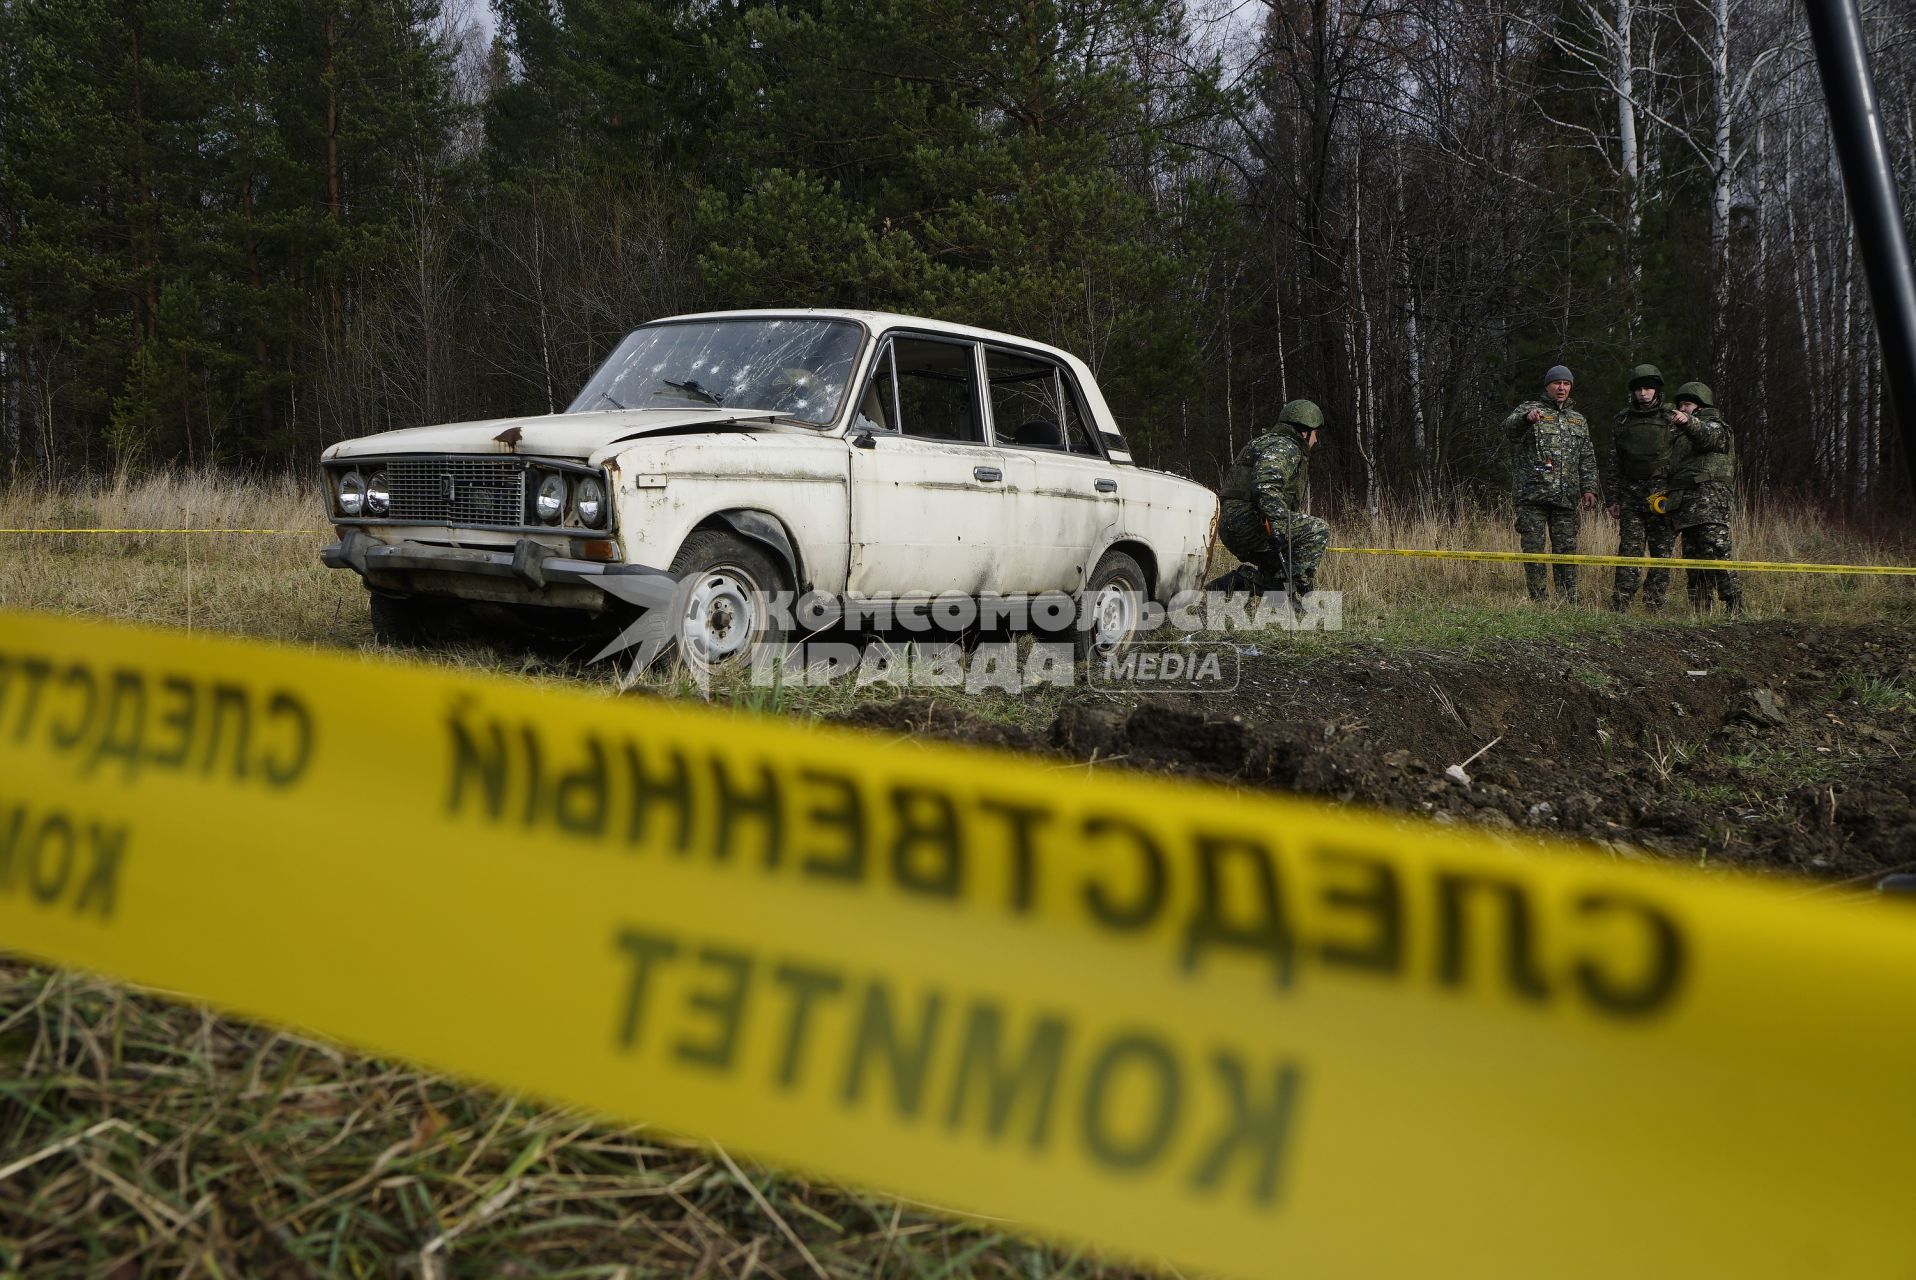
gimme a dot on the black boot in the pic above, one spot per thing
(1243, 578)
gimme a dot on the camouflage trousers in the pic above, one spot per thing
(1711, 542)
(1533, 521)
(1287, 556)
(1642, 532)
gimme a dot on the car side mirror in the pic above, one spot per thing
(863, 439)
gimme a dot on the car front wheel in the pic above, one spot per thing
(723, 609)
(1114, 601)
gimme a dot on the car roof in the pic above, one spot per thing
(878, 322)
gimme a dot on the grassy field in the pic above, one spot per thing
(140, 1136)
(143, 1137)
(1391, 594)
(273, 586)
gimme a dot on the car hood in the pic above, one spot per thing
(560, 435)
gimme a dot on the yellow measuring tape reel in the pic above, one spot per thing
(1245, 1034)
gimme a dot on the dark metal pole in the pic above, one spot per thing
(1837, 30)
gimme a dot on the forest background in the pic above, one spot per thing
(236, 231)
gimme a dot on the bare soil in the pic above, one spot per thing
(1766, 745)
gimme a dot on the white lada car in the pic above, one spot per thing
(845, 453)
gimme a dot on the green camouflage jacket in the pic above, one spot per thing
(1267, 479)
(1638, 460)
(1552, 462)
(1702, 470)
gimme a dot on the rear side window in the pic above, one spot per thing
(1035, 405)
(936, 390)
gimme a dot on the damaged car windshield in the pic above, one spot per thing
(795, 368)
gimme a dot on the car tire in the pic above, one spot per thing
(1114, 595)
(722, 612)
(409, 621)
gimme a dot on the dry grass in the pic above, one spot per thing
(274, 586)
(1375, 586)
(259, 585)
(143, 1137)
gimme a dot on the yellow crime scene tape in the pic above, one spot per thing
(288, 532)
(1249, 1034)
(1513, 557)
(1648, 562)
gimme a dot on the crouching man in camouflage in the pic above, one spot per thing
(1702, 484)
(1553, 467)
(1262, 520)
(1639, 471)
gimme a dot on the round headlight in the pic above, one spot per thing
(379, 498)
(551, 500)
(591, 502)
(352, 494)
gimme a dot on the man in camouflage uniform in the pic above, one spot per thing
(1553, 468)
(1262, 519)
(1639, 469)
(1702, 485)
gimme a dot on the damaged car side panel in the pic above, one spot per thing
(797, 483)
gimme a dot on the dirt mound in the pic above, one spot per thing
(1771, 745)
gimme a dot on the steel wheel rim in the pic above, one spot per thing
(1114, 616)
(721, 618)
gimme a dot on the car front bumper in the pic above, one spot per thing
(530, 571)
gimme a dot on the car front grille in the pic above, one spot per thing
(458, 490)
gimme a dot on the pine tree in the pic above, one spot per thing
(597, 110)
(181, 179)
(995, 164)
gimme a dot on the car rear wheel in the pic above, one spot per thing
(723, 609)
(1114, 600)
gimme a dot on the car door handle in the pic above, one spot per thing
(1107, 486)
(987, 474)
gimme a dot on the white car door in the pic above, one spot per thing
(1073, 505)
(928, 494)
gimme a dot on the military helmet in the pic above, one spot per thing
(1646, 375)
(1303, 414)
(1696, 391)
